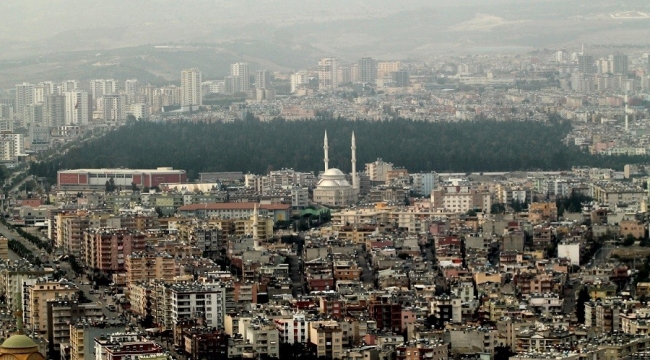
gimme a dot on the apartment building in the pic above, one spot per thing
(37, 297)
(325, 339)
(378, 170)
(461, 198)
(198, 300)
(149, 265)
(293, 330)
(65, 311)
(106, 249)
(264, 337)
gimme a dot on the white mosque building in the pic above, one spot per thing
(333, 189)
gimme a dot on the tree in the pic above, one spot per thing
(110, 185)
(583, 298)
(497, 208)
(503, 352)
(629, 240)
(134, 187)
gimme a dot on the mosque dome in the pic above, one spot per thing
(18, 341)
(333, 178)
(20, 347)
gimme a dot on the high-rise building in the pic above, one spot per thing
(298, 79)
(77, 107)
(131, 90)
(368, 70)
(385, 68)
(140, 110)
(191, 94)
(114, 108)
(586, 64)
(33, 115)
(101, 87)
(328, 74)
(620, 64)
(68, 85)
(42, 90)
(54, 110)
(24, 97)
(262, 79)
(241, 71)
(401, 78)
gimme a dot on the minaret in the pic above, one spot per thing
(326, 148)
(255, 223)
(626, 123)
(355, 182)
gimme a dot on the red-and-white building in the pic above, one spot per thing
(293, 330)
(121, 177)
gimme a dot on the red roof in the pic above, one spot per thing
(234, 206)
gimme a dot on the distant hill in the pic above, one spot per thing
(253, 146)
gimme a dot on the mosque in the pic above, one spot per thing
(333, 188)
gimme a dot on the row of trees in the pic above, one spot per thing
(44, 245)
(21, 250)
(254, 146)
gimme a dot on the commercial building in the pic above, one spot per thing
(97, 178)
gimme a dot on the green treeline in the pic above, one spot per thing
(253, 146)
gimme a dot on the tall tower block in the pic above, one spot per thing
(626, 119)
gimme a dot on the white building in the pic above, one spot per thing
(191, 94)
(328, 74)
(299, 79)
(77, 108)
(101, 87)
(378, 170)
(424, 183)
(333, 187)
(191, 301)
(131, 89)
(68, 85)
(299, 197)
(140, 110)
(241, 73)
(293, 330)
(12, 146)
(569, 251)
(24, 97)
(262, 79)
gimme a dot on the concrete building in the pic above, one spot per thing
(368, 70)
(61, 313)
(106, 250)
(325, 339)
(145, 266)
(461, 199)
(12, 147)
(378, 170)
(294, 329)
(96, 178)
(206, 301)
(38, 295)
(24, 97)
(241, 75)
(328, 70)
(54, 110)
(78, 109)
(191, 94)
(114, 108)
(101, 87)
(262, 79)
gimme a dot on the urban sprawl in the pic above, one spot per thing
(378, 264)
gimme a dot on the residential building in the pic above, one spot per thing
(328, 70)
(191, 93)
(35, 303)
(325, 339)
